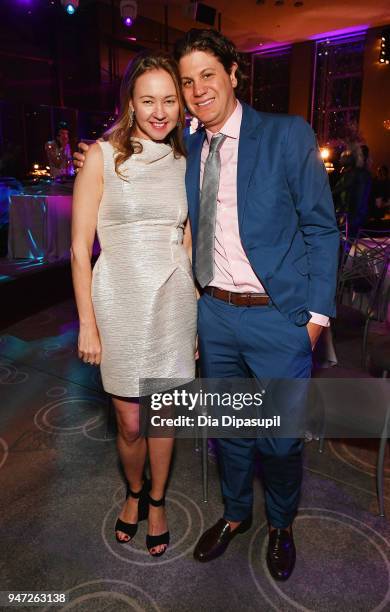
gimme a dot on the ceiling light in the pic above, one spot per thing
(70, 6)
(384, 54)
(128, 9)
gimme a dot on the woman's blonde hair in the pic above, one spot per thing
(119, 134)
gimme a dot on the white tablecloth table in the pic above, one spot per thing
(40, 227)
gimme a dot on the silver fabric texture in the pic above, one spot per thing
(204, 263)
(142, 287)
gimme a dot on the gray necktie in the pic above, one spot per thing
(204, 265)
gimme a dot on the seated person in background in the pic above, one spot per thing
(352, 191)
(380, 200)
(59, 154)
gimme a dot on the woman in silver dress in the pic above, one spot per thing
(137, 308)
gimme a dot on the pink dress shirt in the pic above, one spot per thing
(233, 272)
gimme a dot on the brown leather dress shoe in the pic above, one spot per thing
(215, 540)
(281, 554)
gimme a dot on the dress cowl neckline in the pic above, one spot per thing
(151, 151)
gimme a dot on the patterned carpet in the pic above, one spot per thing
(62, 490)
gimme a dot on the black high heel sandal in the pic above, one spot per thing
(157, 540)
(130, 529)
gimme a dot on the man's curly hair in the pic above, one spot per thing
(216, 43)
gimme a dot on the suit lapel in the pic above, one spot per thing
(250, 136)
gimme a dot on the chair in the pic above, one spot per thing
(380, 358)
(328, 398)
(362, 268)
(203, 449)
(374, 239)
(377, 326)
(360, 283)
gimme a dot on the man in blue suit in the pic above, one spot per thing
(265, 246)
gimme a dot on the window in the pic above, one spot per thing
(271, 80)
(338, 86)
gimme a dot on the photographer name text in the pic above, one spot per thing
(208, 421)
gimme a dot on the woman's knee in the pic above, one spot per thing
(127, 418)
(129, 432)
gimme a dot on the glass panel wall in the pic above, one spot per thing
(271, 80)
(338, 86)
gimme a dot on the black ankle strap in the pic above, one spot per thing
(134, 494)
(137, 494)
(131, 493)
(157, 502)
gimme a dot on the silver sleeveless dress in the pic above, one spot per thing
(142, 287)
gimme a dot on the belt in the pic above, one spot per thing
(239, 299)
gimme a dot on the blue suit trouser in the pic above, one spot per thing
(245, 342)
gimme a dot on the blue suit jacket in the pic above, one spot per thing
(285, 211)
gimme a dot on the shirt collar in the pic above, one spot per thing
(232, 125)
